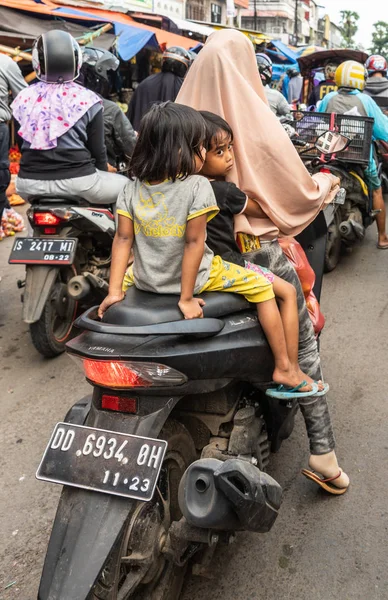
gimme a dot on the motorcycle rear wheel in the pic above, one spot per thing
(163, 579)
(53, 329)
(333, 245)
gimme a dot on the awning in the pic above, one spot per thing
(284, 50)
(16, 26)
(133, 35)
(165, 38)
(131, 39)
(184, 25)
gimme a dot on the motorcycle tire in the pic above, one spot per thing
(333, 245)
(52, 330)
(164, 579)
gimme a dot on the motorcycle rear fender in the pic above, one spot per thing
(39, 283)
(88, 524)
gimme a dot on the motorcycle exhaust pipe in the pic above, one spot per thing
(229, 495)
(351, 230)
(78, 287)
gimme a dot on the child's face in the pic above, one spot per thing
(220, 158)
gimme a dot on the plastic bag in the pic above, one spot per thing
(297, 257)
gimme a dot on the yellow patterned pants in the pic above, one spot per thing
(227, 277)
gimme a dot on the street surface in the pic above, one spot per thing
(321, 547)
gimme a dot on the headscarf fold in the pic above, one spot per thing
(224, 80)
(45, 111)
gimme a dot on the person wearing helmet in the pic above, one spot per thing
(292, 85)
(61, 125)
(324, 87)
(120, 138)
(277, 102)
(11, 80)
(350, 78)
(160, 87)
(377, 82)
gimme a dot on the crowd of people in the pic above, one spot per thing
(214, 181)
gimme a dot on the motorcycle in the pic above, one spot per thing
(67, 266)
(352, 212)
(167, 458)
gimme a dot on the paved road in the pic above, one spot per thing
(321, 548)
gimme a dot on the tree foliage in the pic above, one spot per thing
(380, 39)
(349, 26)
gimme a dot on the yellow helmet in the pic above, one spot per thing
(351, 74)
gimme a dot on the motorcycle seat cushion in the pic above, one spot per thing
(144, 308)
(57, 199)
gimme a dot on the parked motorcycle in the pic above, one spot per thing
(167, 458)
(67, 266)
(351, 214)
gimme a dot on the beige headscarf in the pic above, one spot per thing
(224, 79)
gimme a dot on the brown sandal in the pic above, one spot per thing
(323, 483)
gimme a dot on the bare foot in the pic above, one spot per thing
(327, 465)
(291, 378)
(382, 241)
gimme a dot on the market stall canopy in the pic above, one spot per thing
(280, 53)
(20, 30)
(318, 59)
(184, 25)
(133, 36)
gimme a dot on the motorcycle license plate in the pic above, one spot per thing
(103, 461)
(43, 251)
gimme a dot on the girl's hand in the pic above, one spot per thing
(191, 309)
(109, 300)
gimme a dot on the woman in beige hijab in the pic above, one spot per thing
(224, 80)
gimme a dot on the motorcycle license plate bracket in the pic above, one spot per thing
(43, 251)
(104, 461)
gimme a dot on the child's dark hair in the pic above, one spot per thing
(215, 126)
(170, 136)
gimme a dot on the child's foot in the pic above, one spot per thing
(292, 378)
(307, 378)
(327, 466)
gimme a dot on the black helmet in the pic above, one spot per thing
(176, 60)
(96, 64)
(264, 64)
(56, 57)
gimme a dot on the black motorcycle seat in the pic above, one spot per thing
(144, 308)
(57, 199)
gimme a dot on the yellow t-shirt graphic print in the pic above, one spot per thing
(160, 213)
(152, 218)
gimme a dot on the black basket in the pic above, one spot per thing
(358, 129)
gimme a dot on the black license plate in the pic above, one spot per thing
(43, 251)
(103, 461)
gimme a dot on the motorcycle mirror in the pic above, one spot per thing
(330, 142)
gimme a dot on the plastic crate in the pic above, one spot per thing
(358, 129)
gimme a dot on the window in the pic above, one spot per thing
(216, 12)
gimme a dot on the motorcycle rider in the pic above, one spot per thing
(120, 138)
(377, 82)
(61, 124)
(277, 102)
(11, 80)
(350, 77)
(324, 87)
(162, 86)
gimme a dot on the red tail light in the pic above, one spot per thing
(46, 218)
(112, 374)
(116, 374)
(118, 403)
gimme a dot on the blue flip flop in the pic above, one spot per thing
(282, 392)
(323, 392)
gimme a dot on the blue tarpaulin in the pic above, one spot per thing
(289, 54)
(131, 39)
